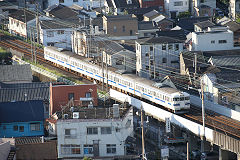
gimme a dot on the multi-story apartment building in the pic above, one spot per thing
(215, 38)
(203, 7)
(158, 56)
(96, 132)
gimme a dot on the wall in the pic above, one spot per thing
(17, 27)
(169, 6)
(4, 150)
(210, 3)
(146, 4)
(82, 137)
(9, 132)
(59, 95)
(202, 41)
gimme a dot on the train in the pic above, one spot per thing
(171, 98)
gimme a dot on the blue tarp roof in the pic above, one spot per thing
(22, 111)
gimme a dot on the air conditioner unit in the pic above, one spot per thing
(65, 116)
(75, 115)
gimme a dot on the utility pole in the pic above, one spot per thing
(154, 67)
(31, 43)
(149, 61)
(187, 151)
(143, 147)
(102, 72)
(195, 66)
(203, 118)
(34, 44)
(37, 23)
(106, 70)
(25, 19)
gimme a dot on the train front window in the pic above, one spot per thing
(181, 98)
(176, 99)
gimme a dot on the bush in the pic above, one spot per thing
(184, 14)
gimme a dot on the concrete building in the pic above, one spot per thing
(146, 29)
(121, 27)
(163, 23)
(5, 10)
(118, 7)
(96, 132)
(146, 4)
(82, 95)
(215, 38)
(203, 7)
(157, 56)
(52, 33)
(174, 7)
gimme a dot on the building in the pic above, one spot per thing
(203, 26)
(158, 56)
(95, 132)
(235, 28)
(215, 38)
(163, 23)
(119, 56)
(146, 4)
(22, 119)
(26, 92)
(150, 15)
(146, 29)
(52, 33)
(203, 7)
(121, 26)
(15, 74)
(234, 8)
(82, 95)
(174, 7)
(18, 22)
(5, 10)
(86, 4)
(118, 7)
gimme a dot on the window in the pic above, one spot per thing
(131, 32)
(50, 34)
(15, 128)
(111, 148)
(70, 133)
(123, 28)
(222, 41)
(163, 46)
(50, 44)
(88, 149)
(178, 3)
(164, 60)
(114, 29)
(60, 32)
(170, 46)
(151, 48)
(61, 1)
(21, 129)
(75, 0)
(201, 1)
(147, 55)
(88, 95)
(67, 149)
(35, 126)
(70, 96)
(92, 130)
(212, 41)
(106, 130)
(176, 47)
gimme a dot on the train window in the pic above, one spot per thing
(176, 99)
(181, 98)
(187, 98)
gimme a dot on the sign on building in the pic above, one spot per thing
(168, 125)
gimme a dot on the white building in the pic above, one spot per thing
(91, 134)
(52, 33)
(203, 7)
(174, 7)
(157, 56)
(87, 4)
(215, 38)
(234, 8)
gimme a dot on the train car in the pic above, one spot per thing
(170, 98)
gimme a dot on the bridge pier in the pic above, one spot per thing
(238, 156)
(220, 153)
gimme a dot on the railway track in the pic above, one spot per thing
(212, 119)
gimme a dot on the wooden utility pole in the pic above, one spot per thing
(154, 67)
(203, 118)
(102, 72)
(34, 47)
(25, 19)
(31, 43)
(149, 61)
(106, 71)
(37, 23)
(143, 147)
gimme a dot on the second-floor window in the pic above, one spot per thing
(35, 126)
(176, 47)
(70, 96)
(114, 29)
(75, 0)
(88, 95)
(92, 130)
(106, 130)
(60, 31)
(222, 41)
(50, 34)
(123, 28)
(178, 3)
(70, 133)
(61, 1)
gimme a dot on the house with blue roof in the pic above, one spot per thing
(22, 118)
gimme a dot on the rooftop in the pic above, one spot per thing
(205, 24)
(151, 13)
(120, 17)
(158, 40)
(19, 15)
(177, 34)
(52, 24)
(146, 25)
(124, 4)
(233, 26)
(13, 73)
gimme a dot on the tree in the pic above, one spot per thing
(184, 14)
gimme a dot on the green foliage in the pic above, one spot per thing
(184, 14)
(87, 158)
(238, 18)
(5, 57)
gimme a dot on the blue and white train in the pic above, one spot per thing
(170, 98)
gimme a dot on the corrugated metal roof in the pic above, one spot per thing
(226, 60)
(23, 111)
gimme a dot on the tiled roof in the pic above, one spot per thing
(151, 13)
(123, 4)
(158, 40)
(188, 23)
(12, 73)
(233, 26)
(146, 25)
(226, 60)
(19, 15)
(23, 111)
(63, 12)
(52, 24)
(27, 140)
(142, 11)
(205, 24)
(24, 91)
(178, 34)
